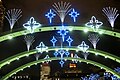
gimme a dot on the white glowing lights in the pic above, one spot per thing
(76, 56)
(94, 23)
(12, 16)
(62, 9)
(29, 40)
(83, 46)
(41, 47)
(31, 25)
(112, 14)
(93, 38)
(85, 54)
(85, 30)
(10, 37)
(47, 57)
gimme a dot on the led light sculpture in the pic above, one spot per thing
(61, 62)
(107, 75)
(50, 15)
(12, 16)
(47, 57)
(85, 54)
(91, 77)
(93, 38)
(67, 53)
(113, 77)
(76, 56)
(112, 14)
(31, 25)
(55, 53)
(94, 77)
(62, 53)
(117, 69)
(69, 40)
(29, 41)
(84, 47)
(62, 9)
(53, 40)
(84, 78)
(74, 15)
(41, 47)
(94, 24)
(63, 32)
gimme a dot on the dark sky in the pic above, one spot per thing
(38, 9)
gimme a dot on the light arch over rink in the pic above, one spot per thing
(74, 48)
(51, 59)
(9, 35)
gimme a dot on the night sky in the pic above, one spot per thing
(38, 9)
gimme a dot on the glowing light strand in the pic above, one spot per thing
(31, 25)
(111, 14)
(41, 47)
(50, 15)
(94, 24)
(12, 16)
(93, 38)
(74, 14)
(29, 41)
(62, 9)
